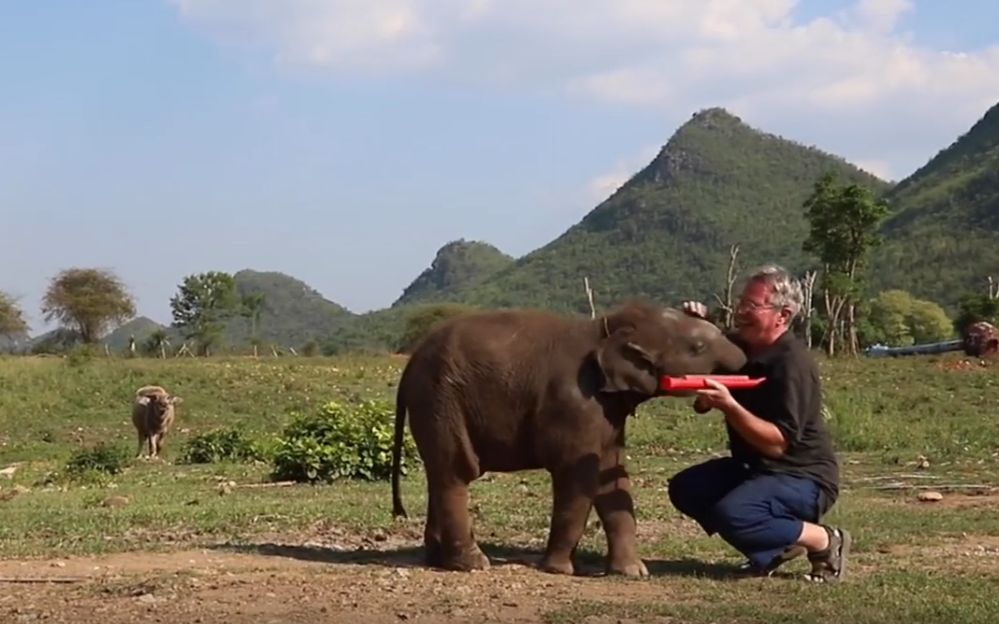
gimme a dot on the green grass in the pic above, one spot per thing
(886, 416)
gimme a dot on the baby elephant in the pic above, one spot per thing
(152, 415)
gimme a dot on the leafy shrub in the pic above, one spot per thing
(100, 460)
(224, 444)
(340, 441)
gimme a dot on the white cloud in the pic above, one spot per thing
(880, 15)
(602, 186)
(851, 69)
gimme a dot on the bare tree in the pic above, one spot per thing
(589, 297)
(726, 305)
(808, 290)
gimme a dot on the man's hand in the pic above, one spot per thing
(714, 396)
(695, 308)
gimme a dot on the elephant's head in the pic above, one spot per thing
(641, 342)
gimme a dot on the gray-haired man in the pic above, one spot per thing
(766, 500)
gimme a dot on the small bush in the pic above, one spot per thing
(97, 461)
(340, 441)
(225, 444)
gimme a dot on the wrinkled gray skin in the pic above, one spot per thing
(153, 414)
(505, 391)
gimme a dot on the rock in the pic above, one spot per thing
(9, 471)
(930, 497)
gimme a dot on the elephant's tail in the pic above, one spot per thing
(400, 429)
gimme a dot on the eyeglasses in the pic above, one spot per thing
(749, 306)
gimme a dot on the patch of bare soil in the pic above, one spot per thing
(968, 552)
(309, 582)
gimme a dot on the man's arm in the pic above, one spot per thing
(764, 436)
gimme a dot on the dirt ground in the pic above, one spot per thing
(341, 578)
(275, 583)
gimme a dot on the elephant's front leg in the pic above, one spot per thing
(573, 488)
(617, 513)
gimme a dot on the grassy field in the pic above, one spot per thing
(901, 426)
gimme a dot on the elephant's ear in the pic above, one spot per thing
(625, 365)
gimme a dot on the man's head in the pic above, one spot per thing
(769, 302)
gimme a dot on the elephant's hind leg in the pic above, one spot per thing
(434, 556)
(458, 549)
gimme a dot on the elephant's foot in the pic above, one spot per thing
(556, 565)
(634, 568)
(432, 554)
(470, 559)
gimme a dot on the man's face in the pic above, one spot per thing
(759, 322)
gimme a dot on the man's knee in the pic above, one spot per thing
(682, 489)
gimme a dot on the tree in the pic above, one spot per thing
(87, 302)
(251, 307)
(844, 222)
(975, 307)
(725, 305)
(202, 306)
(12, 323)
(928, 322)
(897, 319)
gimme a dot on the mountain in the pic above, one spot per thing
(141, 328)
(458, 265)
(665, 234)
(942, 237)
(293, 313)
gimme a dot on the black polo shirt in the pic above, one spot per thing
(791, 399)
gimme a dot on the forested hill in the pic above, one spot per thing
(293, 312)
(458, 266)
(943, 236)
(666, 233)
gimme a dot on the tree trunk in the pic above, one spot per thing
(851, 323)
(807, 292)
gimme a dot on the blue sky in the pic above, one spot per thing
(343, 142)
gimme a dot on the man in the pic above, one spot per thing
(767, 498)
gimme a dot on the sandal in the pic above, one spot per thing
(829, 565)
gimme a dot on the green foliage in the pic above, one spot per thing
(424, 318)
(96, 462)
(843, 227)
(339, 441)
(202, 305)
(896, 319)
(929, 322)
(225, 444)
(975, 307)
(87, 302)
(251, 307)
(12, 323)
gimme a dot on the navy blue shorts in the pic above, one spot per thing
(758, 514)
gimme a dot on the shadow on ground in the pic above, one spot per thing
(587, 563)
(405, 557)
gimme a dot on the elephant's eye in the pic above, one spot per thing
(698, 347)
